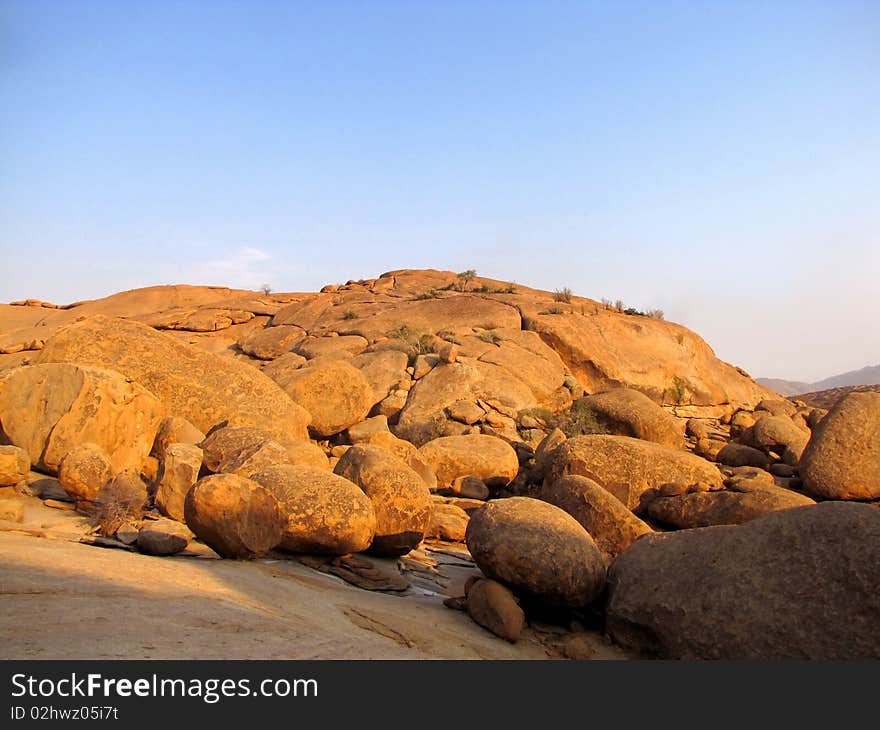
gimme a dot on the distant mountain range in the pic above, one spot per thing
(866, 376)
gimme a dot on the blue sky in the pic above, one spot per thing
(718, 160)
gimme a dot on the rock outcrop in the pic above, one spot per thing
(49, 409)
(200, 387)
(629, 467)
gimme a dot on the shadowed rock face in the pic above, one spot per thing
(538, 550)
(703, 509)
(191, 384)
(800, 583)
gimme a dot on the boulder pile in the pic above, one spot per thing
(599, 468)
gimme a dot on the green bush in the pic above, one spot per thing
(580, 420)
(677, 393)
(464, 279)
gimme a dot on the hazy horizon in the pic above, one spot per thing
(718, 162)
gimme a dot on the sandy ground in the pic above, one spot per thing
(63, 599)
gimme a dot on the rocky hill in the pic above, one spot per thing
(865, 376)
(828, 398)
(522, 341)
(411, 464)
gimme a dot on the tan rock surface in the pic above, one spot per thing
(611, 525)
(400, 497)
(842, 459)
(325, 513)
(488, 458)
(51, 408)
(336, 395)
(202, 388)
(235, 516)
(628, 467)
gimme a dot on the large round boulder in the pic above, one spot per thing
(401, 499)
(406, 451)
(538, 550)
(235, 516)
(611, 525)
(778, 433)
(795, 584)
(842, 459)
(247, 449)
(336, 395)
(49, 409)
(628, 412)
(628, 467)
(487, 457)
(325, 513)
(83, 472)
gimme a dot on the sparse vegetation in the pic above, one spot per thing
(493, 338)
(429, 294)
(350, 314)
(509, 289)
(553, 310)
(563, 295)
(424, 345)
(266, 289)
(449, 337)
(621, 307)
(677, 393)
(465, 278)
(578, 420)
(417, 342)
(117, 503)
(483, 289)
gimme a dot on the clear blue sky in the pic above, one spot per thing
(719, 160)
